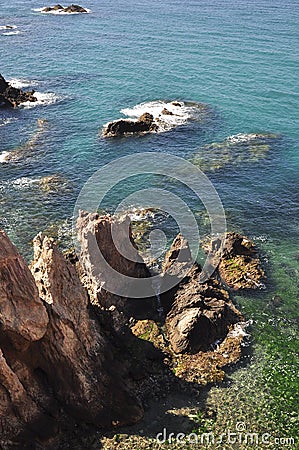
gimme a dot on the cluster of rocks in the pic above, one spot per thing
(239, 264)
(67, 351)
(144, 124)
(11, 96)
(65, 9)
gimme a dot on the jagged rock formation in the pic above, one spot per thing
(240, 266)
(65, 9)
(120, 127)
(11, 96)
(67, 351)
(105, 269)
(54, 354)
(200, 313)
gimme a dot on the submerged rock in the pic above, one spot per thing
(13, 97)
(235, 149)
(240, 266)
(29, 147)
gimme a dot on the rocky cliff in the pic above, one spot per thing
(67, 352)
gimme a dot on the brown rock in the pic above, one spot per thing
(200, 315)
(113, 276)
(177, 263)
(74, 352)
(240, 266)
(22, 314)
(144, 124)
(166, 112)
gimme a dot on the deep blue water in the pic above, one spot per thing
(238, 57)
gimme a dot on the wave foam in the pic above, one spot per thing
(11, 33)
(3, 157)
(20, 83)
(43, 99)
(167, 115)
(59, 12)
(7, 121)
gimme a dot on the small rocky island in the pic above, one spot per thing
(71, 9)
(73, 353)
(13, 97)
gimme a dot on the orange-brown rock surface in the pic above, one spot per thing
(57, 363)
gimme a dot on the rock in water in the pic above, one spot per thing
(197, 314)
(240, 266)
(68, 9)
(11, 96)
(144, 124)
(201, 314)
(98, 236)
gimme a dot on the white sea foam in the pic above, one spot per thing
(60, 12)
(43, 99)
(178, 113)
(24, 182)
(3, 157)
(243, 138)
(11, 33)
(7, 121)
(20, 83)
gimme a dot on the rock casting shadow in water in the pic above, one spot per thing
(73, 353)
(156, 117)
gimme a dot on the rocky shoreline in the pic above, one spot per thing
(73, 353)
(14, 97)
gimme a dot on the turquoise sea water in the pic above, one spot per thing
(238, 57)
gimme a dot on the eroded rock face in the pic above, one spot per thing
(58, 364)
(18, 292)
(89, 390)
(200, 315)
(11, 96)
(111, 274)
(240, 266)
(144, 124)
(197, 314)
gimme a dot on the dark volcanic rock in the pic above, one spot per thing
(145, 123)
(68, 9)
(11, 96)
(240, 266)
(75, 8)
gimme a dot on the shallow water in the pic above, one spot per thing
(240, 59)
